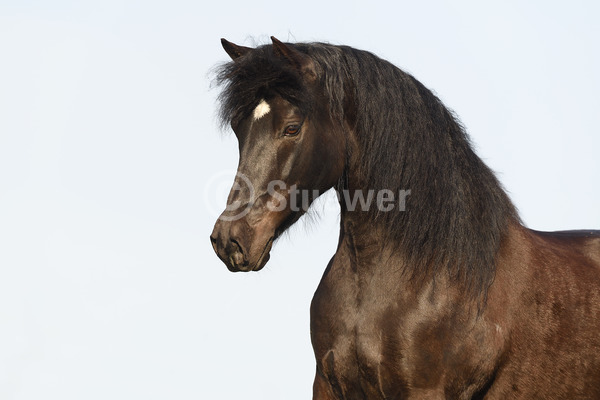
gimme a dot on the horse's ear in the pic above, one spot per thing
(234, 50)
(299, 60)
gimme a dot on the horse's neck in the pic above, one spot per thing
(372, 268)
(363, 237)
(367, 245)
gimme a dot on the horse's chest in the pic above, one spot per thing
(375, 341)
(353, 363)
(354, 347)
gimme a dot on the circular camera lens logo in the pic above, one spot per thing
(217, 190)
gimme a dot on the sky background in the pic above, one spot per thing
(113, 171)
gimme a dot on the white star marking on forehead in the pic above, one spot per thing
(261, 110)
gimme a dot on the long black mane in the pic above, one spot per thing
(457, 212)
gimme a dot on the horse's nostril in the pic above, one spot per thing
(213, 241)
(237, 255)
(236, 245)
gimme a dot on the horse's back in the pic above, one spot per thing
(584, 241)
(554, 286)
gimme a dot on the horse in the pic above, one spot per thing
(437, 290)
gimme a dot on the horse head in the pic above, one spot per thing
(288, 143)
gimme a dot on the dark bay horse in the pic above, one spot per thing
(436, 290)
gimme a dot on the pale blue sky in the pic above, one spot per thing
(109, 287)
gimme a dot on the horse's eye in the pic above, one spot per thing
(291, 130)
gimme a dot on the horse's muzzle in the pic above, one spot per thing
(241, 247)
